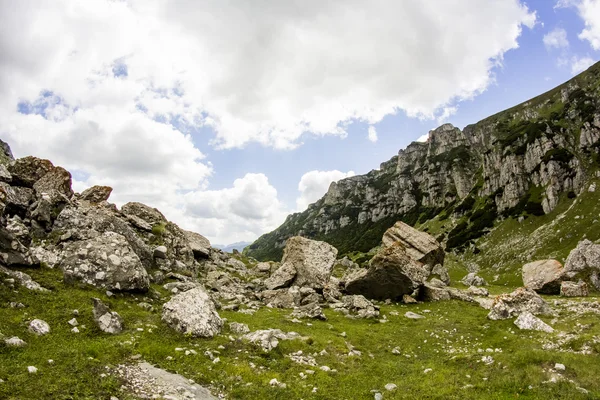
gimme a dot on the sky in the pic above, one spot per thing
(228, 116)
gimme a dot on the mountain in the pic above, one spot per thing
(519, 163)
(239, 246)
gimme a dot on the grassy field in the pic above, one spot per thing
(451, 341)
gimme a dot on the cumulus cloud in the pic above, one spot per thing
(590, 12)
(314, 184)
(556, 38)
(372, 134)
(423, 138)
(580, 64)
(115, 91)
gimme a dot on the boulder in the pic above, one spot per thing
(513, 304)
(39, 327)
(440, 272)
(96, 194)
(160, 252)
(149, 215)
(263, 267)
(419, 246)
(478, 291)
(279, 298)
(528, 321)
(56, 183)
(584, 263)
(472, 279)
(199, 244)
(108, 321)
(282, 277)
(238, 328)
(312, 310)
(192, 313)
(15, 199)
(13, 252)
(574, 289)
(543, 276)
(28, 170)
(106, 261)
(392, 273)
(432, 293)
(311, 260)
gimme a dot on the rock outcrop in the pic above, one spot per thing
(192, 313)
(106, 261)
(543, 276)
(584, 263)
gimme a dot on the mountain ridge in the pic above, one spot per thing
(517, 162)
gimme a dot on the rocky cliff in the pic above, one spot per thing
(518, 162)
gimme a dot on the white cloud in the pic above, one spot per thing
(116, 89)
(590, 12)
(447, 112)
(314, 184)
(423, 138)
(240, 213)
(580, 64)
(556, 38)
(372, 134)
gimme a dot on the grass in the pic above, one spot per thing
(448, 341)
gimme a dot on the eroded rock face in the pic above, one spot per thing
(420, 246)
(543, 276)
(584, 263)
(192, 313)
(108, 321)
(574, 289)
(392, 273)
(513, 304)
(106, 261)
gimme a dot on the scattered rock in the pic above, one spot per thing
(268, 339)
(391, 386)
(574, 289)
(312, 310)
(559, 367)
(32, 370)
(528, 321)
(584, 263)
(520, 301)
(360, 306)
(472, 279)
(412, 315)
(192, 313)
(15, 342)
(478, 291)
(238, 328)
(39, 327)
(108, 321)
(543, 276)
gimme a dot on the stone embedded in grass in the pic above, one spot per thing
(239, 328)
(39, 327)
(75, 330)
(559, 367)
(427, 370)
(478, 291)
(32, 370)
(412, 315)
(73, 322)
(108, 321)
(193, 313)
(487, 360)
(519, 301)
(268, 339)
(15, 342)
(528, 321)
(391, 386)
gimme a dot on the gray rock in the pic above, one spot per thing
(160, 252)
(15, 342)
(308, 262)
(15, 199)
(312, 311)
(478, 291)
(513, 304)
(56, 184)
(282, 277)
(574, 289)
(584, 263)
(268, 339)
(412, 315)
(39, 327)
(440, 272)
(392, 273)
(199, 244)
(106, 261)
(28, 170)
(359, 306)
(543, 276)
(264, 267)
(13, 252)
(96, 194)
(472, 279)
(192, 313)
(528, 321)
(23, 279)
(108, 321)
(419, 246)
(238, 328)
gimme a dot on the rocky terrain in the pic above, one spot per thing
(476, 278)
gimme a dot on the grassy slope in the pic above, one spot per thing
(81, 358)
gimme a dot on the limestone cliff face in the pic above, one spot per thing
(518, 161)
